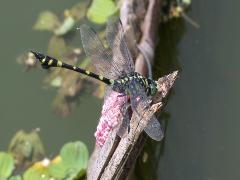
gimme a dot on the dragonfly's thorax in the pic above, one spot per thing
(126, 83)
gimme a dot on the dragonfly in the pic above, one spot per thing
(114, 66)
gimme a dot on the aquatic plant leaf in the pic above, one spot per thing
(75, 156)
(66, 26)
(71, 163)
(27, 60)
(78, 11)
(6, 165)
(100, 10)
(61, 106)
(47, 21)
(57, 82)
(186, 2)
(57, 168)
(36, 172)
(57, 47)
(26, 147)
(15, 178)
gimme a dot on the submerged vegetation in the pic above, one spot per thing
(61, 46)
(26, 159)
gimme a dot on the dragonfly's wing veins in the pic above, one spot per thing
(108, 91)
(111, 63)
(100, 56)
(154, 130)
(140, 103)
(122, 58)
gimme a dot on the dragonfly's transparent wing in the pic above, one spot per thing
(154, 130)
(100, 56)
(108, 91)
(117, 42)
(140, 103)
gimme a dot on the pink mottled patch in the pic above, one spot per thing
(111, 112)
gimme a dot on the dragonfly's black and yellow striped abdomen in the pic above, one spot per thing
(48, 62)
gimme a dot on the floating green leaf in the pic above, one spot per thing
(15, 178)
(67, 25)
(6, 164)
(71, 163)
(36, 173)
(100, 10)
(74, 156)
(47, 21)
(57, 168)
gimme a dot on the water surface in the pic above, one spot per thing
(24, 104)
(202, 137)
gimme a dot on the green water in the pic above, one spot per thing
(202, 137)
(24, 104)
(201, 140)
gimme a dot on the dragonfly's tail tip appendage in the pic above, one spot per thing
(40, 57)
(33, 52)
(37, 54)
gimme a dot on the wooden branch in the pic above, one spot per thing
(118, 155)
(149, 36)
(112, 160)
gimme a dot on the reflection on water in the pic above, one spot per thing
(203, 127)
(166, 61)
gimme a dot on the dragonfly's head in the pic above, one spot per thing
(152, 87)
(38, 56)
